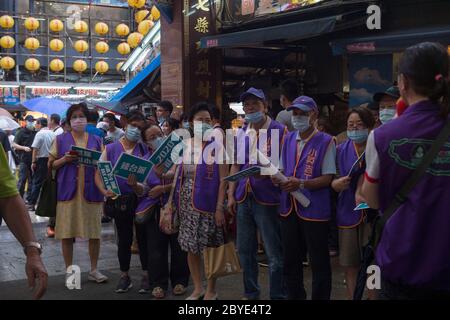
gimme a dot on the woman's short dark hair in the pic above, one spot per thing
(365, 115)
(76, 107)
(290, 89)
(135, 115)
(426, 67)
(173, 123)
(146, 127)
(196, 108)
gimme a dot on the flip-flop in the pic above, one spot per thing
(158, 293)
(179, 290)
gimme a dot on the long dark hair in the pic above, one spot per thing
(426, 67)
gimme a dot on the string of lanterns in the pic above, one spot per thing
(144, 19)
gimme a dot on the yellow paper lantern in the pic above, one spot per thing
(7, 63)
(80, 26)
(136, 3)
(79, 66)
(145, 26)
(101, 67)
(122, 30)
(7, 42)
(31, 24)
(134, 39)
(102, 47)
(56, 65)
(32, 64)
(118, 66)
(155, 13)
(123, 48)
(32, 44)
(56, 45)
(56, 25)
(6, 22)
(101, 28)
(141, 15)
(81, 46)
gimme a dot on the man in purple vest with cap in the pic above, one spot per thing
(308, 161)
(257, 197)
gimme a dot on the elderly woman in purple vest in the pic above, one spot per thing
(79, 206)
(414, 250)
(309, 163)
(354, 227)
(255, 199)
(200, 194)
(153, 195)
(124, 221)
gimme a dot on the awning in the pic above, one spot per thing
(292, 31)
(139, 82)
(390, 42)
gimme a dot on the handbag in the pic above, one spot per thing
(47, 201)
(169, 220)
(121, 206)
(221, 261)
(399, 199)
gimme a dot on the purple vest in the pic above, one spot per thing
(206, 187)
(146, 202)
(68, 174)
(346, 217)
(113, 152)
(262, 188)
(306, 166)
(415, 245)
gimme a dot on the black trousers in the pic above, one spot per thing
(315, 235)
(25, 174)
(39, 176)
(156, 244)
(124, 225)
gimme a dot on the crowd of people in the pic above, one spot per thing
(413, 253)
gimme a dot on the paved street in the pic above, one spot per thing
(13, 279)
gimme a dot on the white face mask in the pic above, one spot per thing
(300, 123)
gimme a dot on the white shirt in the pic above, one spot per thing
(116, 134)
(372, 160)
(58, 131)
(43, 142)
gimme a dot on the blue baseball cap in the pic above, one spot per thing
(253, 92)
(304, 103)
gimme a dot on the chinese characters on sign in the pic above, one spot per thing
(87, 157)
(109, 180)
(164, 153)
(202, 25)
(128, 164)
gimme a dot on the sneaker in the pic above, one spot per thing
(96, 276)
(145, 286)
(50, 232)
(124, 285)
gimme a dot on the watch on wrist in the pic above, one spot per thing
(302, 184)
(35, 245)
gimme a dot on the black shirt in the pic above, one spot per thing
(4, 141)
(24, 137)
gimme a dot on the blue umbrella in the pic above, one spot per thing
(47, 105)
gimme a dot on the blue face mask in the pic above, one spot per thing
(133, 134)
(300, 123)
(30, 125)
(387, 115)
(200, 130)
(358, 136)
(186, 125)
(254, 117)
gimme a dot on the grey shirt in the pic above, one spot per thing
(284, 117)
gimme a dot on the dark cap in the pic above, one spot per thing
(253, 92)
(29, 118)
(392, 92)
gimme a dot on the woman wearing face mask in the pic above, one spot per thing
(123, 208)
(413, 251)
(169, 126)
(153, 242)
(354, 228)
(199, 194)
(79, 206)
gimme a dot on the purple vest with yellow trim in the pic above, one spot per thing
(113, 153)
(414, 249)
(206, 186)
(308, 166)
(263, 189)
(345, 215)
(67, 175)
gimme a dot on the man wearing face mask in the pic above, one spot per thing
(255, 200)
(308, 161)
(22, 144)
(163, 111)
(387, 101)
(124, 206)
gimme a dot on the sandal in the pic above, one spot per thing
(179, 290)
(158, 293)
